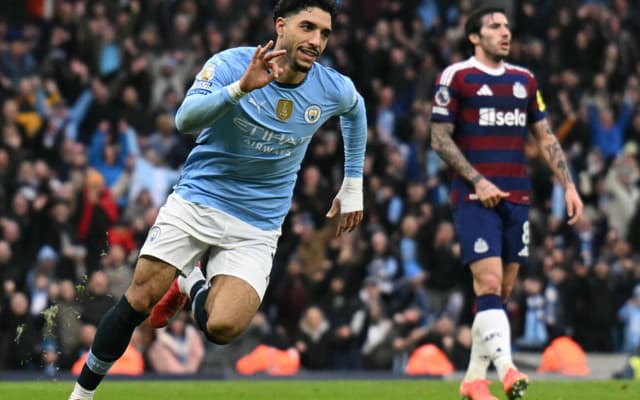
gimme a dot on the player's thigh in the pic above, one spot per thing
(150, 281)
(245, 252)
(479, 231)
(231, 304)
(240, 274)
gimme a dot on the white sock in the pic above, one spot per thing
(80, 393)
(495, 333)
(479, 360)
(186, 283)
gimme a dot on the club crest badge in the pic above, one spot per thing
(284, 109)
(154, 233)
(519, 90)
(480, 246)
(312, 114)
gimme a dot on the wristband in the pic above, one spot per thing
(350, 195)
(235, 92)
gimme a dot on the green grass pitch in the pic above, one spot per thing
(312, 390)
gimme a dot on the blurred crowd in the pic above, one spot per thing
(89, 151)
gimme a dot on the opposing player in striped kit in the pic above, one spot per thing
(483, 108)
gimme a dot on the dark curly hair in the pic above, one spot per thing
(285, 8)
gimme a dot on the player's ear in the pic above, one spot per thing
(474, 38)
(279, 25)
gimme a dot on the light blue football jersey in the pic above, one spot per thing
(247, 157)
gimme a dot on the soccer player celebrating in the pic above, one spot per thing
(257, 109)
(482, 108)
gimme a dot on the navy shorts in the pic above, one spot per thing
(502, 231)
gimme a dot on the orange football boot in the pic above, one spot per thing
(515, 383)
(477, 389)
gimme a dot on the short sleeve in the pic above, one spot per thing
(536, 109)
(445, 98)
(215, 73)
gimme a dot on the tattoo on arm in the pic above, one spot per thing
(443, 144)
(552, 152)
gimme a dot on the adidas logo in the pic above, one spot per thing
(484, 91)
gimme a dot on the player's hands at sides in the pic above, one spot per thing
(348, 221)
(488, 193)
(262, 69)
(574, 204)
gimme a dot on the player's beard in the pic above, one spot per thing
(300, 68)
(497, 56)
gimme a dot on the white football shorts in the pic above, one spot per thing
(184, 231)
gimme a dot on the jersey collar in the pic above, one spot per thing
(484, 68)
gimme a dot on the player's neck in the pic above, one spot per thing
(487, 60)
(291, 77)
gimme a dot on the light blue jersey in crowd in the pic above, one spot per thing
(246, 159)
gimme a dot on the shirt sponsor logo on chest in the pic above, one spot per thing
(491, 117)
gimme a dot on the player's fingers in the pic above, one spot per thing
(359, 217)
(573, 220)
(274, 54)
(352, 222)
(341, 226)
(265, 48)
(577, 214)
(579, 210)
(335, 207)
(276, 70)
(503, 195)
(570, 211)
(256, 53)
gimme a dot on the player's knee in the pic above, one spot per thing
(221, 332)
(139, 299)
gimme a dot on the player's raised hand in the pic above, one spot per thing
(488, 193)
(262, 69)
(574, 204)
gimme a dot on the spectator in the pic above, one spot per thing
(535, 330)
(629, 315)
(178, 348)
(607, 132)
(67, 324)
(314, 340)
(96, 300)
(21, 335)
(17, 62)
(621, 184)
(376, 350)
